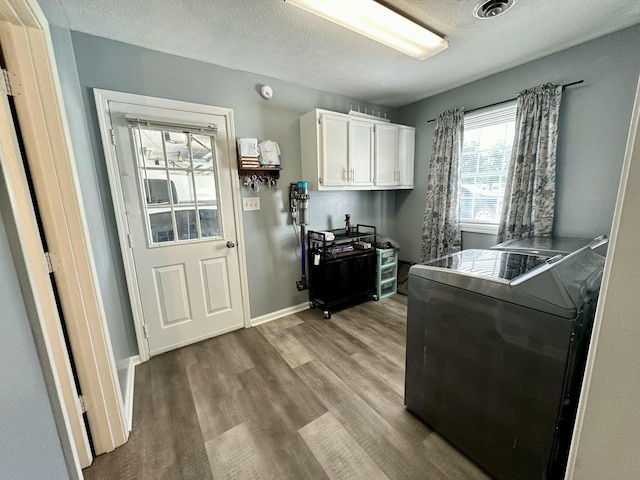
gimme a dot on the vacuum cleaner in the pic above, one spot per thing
(299, 200)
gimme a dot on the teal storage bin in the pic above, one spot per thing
(387, 272)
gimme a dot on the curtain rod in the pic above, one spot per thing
(509, 100)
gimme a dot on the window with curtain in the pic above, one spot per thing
(486, 152)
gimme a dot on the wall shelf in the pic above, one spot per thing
(271, 173)
(262, 169)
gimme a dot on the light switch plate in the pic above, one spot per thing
(250, 203)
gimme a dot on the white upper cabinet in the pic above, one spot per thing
(341, 151)
(406, 154)
(360, 153)
(334, 149)
(386, 155)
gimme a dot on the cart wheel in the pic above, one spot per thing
(326, 314)
(312, 305)
(375, 297)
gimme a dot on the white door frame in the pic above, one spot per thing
(102, 97)
(28, 51)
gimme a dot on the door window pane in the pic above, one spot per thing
(209, 222)
(161, 225)
(206, 188)
(158, 191)
(186, 224)
(201, 151)
(150, 146)
(178, 182)
(184, 186)
(176, 148)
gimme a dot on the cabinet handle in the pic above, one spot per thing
(353, 175)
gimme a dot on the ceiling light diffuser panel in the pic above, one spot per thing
(379, 23)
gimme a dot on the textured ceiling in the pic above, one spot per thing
(276, 39)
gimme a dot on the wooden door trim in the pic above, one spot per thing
(102, 99)
(33, 274)
(28, 52)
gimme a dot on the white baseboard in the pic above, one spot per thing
(279, 314)
(128, 394)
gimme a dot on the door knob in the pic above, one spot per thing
(230, 244)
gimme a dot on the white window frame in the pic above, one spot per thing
(479, 119)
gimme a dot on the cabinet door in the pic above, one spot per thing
(360, 153)
(334, 152)
(406, 154)
(386, 154)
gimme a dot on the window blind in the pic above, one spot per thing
(491, 116)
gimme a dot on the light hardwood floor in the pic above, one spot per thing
(297, 398)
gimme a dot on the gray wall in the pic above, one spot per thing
(593, 129)
(271, 243)
(29, 442)
(97, 204)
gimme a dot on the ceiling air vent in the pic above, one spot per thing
(492, 8)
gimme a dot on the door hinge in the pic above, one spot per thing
(113, 136)
(81, 404)
(6, 83)
(320, 180)
(52, 261)
(146, 331)
(130, 240)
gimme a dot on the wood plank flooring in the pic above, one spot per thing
(297, 398)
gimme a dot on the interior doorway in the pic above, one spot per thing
(29, 248)
(33, 81)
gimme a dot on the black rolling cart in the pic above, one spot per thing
(342, 267)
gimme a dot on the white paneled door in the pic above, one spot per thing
(176, 185)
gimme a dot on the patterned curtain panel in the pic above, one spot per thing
(529, 196)
(441, 227)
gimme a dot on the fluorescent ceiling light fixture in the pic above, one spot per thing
(379, 23)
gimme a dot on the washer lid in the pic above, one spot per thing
(496, 265)
(549, 245)
(550, 284)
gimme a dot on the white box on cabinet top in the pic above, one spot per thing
(340, 151)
